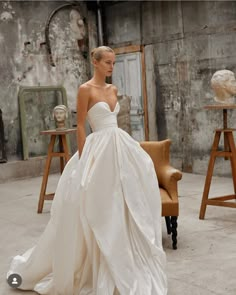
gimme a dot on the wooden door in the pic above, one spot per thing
(127, 76)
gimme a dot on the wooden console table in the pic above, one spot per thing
(229, 152)
(64, 156)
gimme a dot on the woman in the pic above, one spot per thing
(104, 235)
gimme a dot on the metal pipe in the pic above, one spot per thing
(3, 157)
(100, 28)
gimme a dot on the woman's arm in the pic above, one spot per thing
(82, 107)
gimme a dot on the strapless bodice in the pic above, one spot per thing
(100, 116)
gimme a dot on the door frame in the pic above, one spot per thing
(132, 49)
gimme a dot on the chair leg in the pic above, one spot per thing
(174, 225)
(168, 226)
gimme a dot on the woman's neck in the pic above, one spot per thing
(98, 80)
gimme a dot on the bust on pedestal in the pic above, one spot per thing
(224, 85)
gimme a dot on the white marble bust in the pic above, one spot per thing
(223, 84)
(60, 114)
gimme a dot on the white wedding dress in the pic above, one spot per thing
(104, 235)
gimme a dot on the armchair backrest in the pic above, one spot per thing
(159, 151)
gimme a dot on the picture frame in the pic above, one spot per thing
(36, 105)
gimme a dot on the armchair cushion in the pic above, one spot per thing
(169, 207)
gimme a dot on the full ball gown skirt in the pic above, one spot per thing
(104, 235)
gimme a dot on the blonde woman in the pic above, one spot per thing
(104, 235)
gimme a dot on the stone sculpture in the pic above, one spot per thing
(223, 84)
(60, 114)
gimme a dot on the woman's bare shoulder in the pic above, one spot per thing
(85, 86)
(112, 86)
(84, 89)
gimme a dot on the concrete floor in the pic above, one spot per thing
(204, 264)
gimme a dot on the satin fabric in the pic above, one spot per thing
(104, 235)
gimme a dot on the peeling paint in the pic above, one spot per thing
(1, 39)
(6, 5)
(6, 16)
(26, 61)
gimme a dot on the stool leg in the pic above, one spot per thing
(61, 150)
(65, 148)
(45, 174)
(226, 142)
(62, 165)
(230, 139)
(209, 174)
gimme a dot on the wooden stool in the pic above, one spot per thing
(229, 152)
(64, 156)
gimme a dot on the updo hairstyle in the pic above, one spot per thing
(97, 53)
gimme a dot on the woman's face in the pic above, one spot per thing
(105, 64)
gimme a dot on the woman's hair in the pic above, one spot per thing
(97, 52)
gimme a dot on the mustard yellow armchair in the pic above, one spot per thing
(167, 176)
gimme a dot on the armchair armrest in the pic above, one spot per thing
(168, 177)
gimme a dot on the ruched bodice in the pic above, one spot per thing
(100, 116)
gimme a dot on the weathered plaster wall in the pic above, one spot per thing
(187, 41)
(28, 64)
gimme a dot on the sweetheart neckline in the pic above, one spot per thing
(106, 104)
